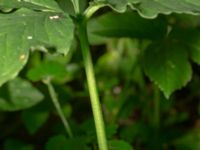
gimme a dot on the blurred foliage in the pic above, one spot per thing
(133, 116)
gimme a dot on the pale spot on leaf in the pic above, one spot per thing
(22, 57)
(29, 37)
(54, 17)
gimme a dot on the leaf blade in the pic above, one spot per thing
(21, 95)
(43, 5)
(151, 8)
(167, 65)
(25, 29)
(128, 24)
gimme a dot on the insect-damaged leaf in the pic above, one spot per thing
(26, 29)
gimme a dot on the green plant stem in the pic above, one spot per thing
(96, 108)
(58, 108)
(93, 8)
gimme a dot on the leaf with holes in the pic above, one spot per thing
(167, 65)
(151, 8)
(26, 29)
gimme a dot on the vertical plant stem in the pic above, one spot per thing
(96, 108)
(58, 108)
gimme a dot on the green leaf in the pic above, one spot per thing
(151, 8)
(193, 43)
(111, 130)
(128, 24)
(67, 110)
(47, 69)
(119, 145)
(18, 94)
(135, 132)
(26, 29)
(45, 5)
(109, 62)
(60, 142)
(175, 118)
(13, 53)
(191, 21)
(67, 6)
(189, 141)
(14, 144)
(167, 65)
(195, 50)
(57, 142)
(33, 120)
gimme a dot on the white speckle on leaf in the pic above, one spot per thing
(22, 57)
(54, 17)
(29, 37)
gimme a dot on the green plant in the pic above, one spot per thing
(47, 25)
